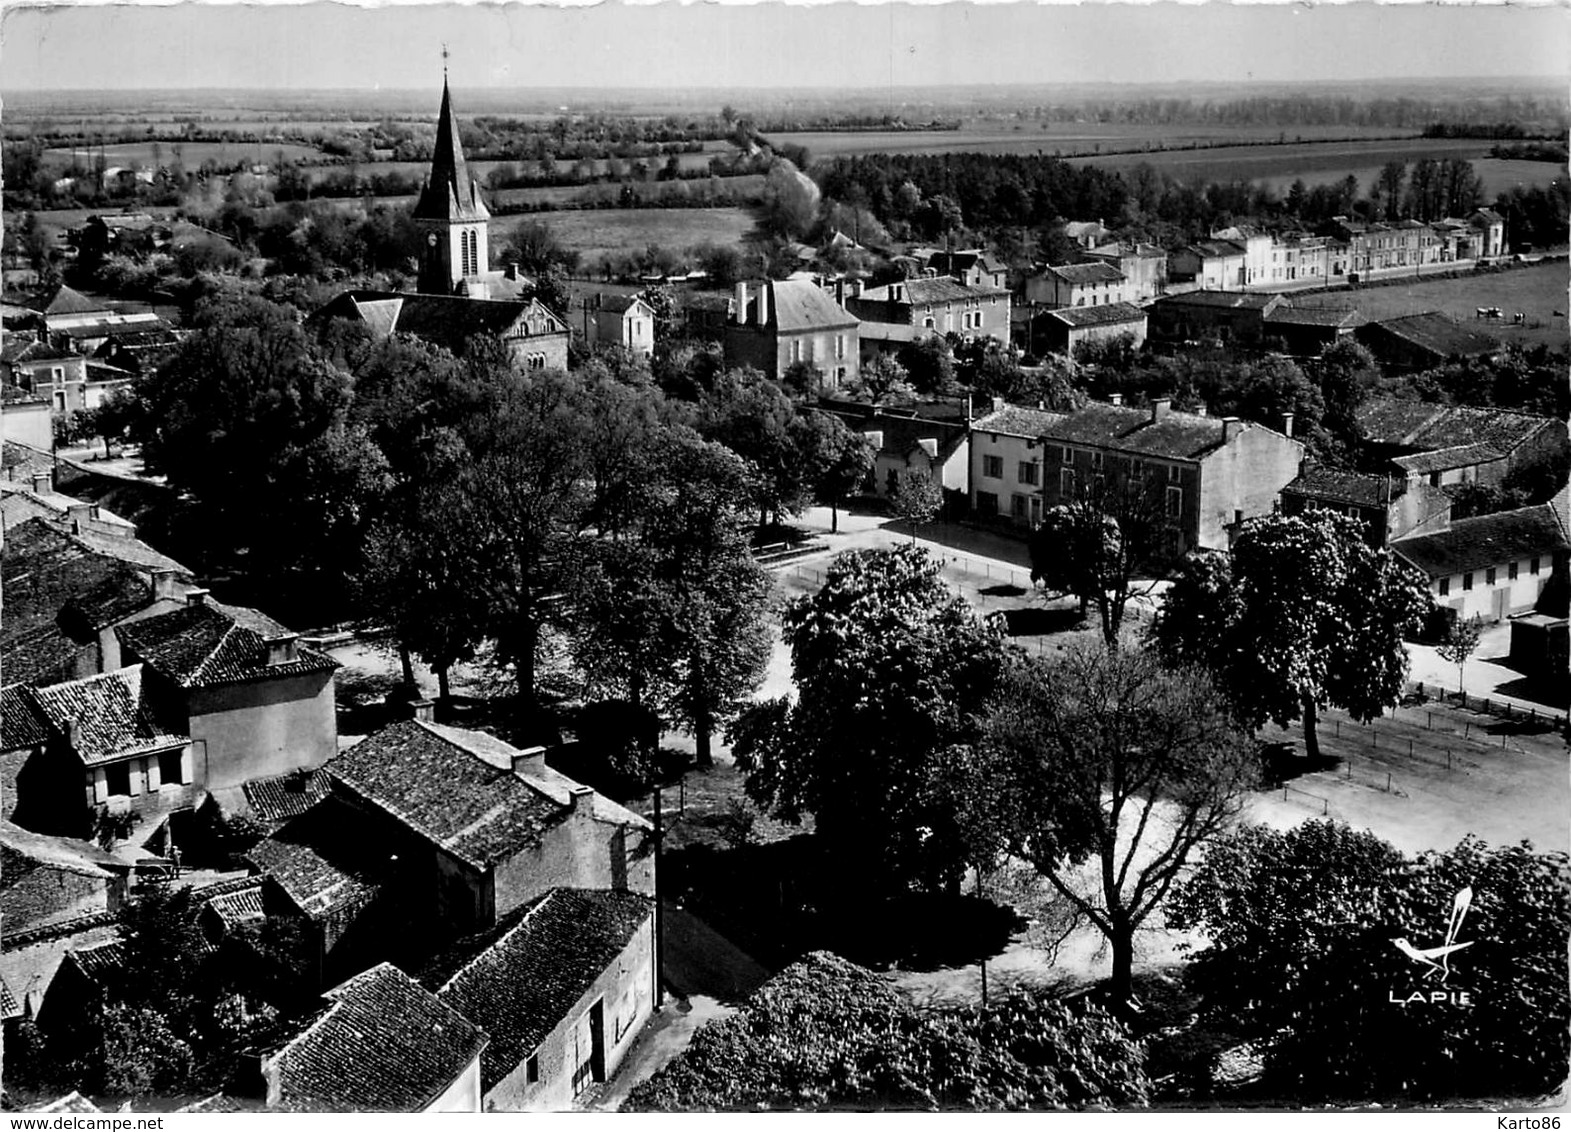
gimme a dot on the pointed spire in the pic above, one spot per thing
(449, 193)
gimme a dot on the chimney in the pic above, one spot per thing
(197, 596)
(1115, 399)
(166, 584)
(529, 762)
(897, 292)
(511, 272)
(1231, 427)
(80, 515)
(840, 292)
(41, 482)
(1200, 409)
(424, 711)
(763, 304)
(68, 733)
(1159, 408)
(998, 404)
(282, 650)
(1287, 424)
(583, 801)
(741, 304)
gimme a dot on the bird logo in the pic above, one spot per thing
(1438, 959)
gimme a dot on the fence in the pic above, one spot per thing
(1488, 705)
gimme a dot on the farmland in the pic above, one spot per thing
(596, 233)
(1538, 292)
(1328, 161)
(192, 154)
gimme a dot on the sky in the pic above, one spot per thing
(739, 46)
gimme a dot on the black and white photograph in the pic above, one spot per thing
(754, 557)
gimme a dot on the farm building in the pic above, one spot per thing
(1307, 331)
(1061, 331)
(1493, 566)
(1453, 444)
(1228, 315)
(1424, 341)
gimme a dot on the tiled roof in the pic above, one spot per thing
(118, 595)
(71, 1102)
(384, 1044)
(1443, 459)
(1485, 540)
(800, 304)
(63, 854)
(1424, 426)
(440, 788)
(69, 301)
(203, 646)
(448, 321)
(519, 981)
(243, 906)
(109, 716)
(100, 960)
(1080, 273)
(1017, 420)
(20, 721)
(1215, 249)
(326, 860)
(1314, 316)
(1319, 482)
(285, 796)
(1227, 300)
(1179, 436)
(10, 1007)
(1439, 335)
(1104, 315)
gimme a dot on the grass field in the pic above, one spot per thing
(594, 233)
(1538, 292)
(1327, 161)
(191, 153)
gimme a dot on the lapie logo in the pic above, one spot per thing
(1437, 960)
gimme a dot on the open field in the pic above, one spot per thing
(599, 232)
(1328, 161)
(1498, 176)
(1538, 292)
(192, 154)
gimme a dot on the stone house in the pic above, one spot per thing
(1227, 315)
(1210, 474)
(1454, 444)
(1493, 566)
(1006, 463)
(1389, 506)
(936, 304)
(1064, 331)
(562, 986)
(1093, 284)
(790, 321)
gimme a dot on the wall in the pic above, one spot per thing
(1013, 451)
(28, 969)
(750, 346)
(29, 423)
(575, 853)
(1521, 594)
(544, 351)
(1072, 337)
(265, 727)
(44, 896)
(463, 1095)
(1246, 475)
(626, 990)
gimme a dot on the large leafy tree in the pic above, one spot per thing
(1107, 759)
(891, 669)
(1304, 614)
(1302, 929)
(844, 461)
(826, 1034)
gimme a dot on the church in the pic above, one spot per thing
(457, 293)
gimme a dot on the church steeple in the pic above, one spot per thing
(451, 215)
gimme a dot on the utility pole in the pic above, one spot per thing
(659, 836)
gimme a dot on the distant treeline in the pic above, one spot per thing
(1508, 131)
(1532, 151)
(1411, 113)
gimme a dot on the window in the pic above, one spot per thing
(796, 349)
(1489, 576)
(1467, 581)
(993, 467)
(117, 779)
(1532, 566)
(532, 1069)
(840, 347)
(1096, 460)
(1172, 473)
(1027, 472)
(1511, 572)
(169, 772)
(1175, 502)
(1017, 506)
(1066, 482)
(986, 503)
(1434, 479)
(1445, 586)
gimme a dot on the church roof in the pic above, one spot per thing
(449, 193)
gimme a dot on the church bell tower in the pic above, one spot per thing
(452, 219)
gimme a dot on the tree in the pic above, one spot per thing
(883, 378)
(891, 669)
(825, 1033)
(929, 363)
(845, 460)
(1461, 641)
(1301, 928)
(917, 498)
(1108, 758)
(1346, 371)
(1305, 613)
(756, 420)
(791, 200)
(1097, 545)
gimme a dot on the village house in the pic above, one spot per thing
(1006, 463)
(972, 267)
(382, 1043)
(1078, 285)
(251, 698)
(908, 441)
(1064, 331)
(1424, 341)
(1257, 247)
(1209, 265)
(1447, 445)
(1226, 315)
(936, 304)
(791, 321)
(1087, 233)
(619, 320)
(1210, 474)
(1143, 266)
(562, 987)
(1492, 566)
(1390, 506)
